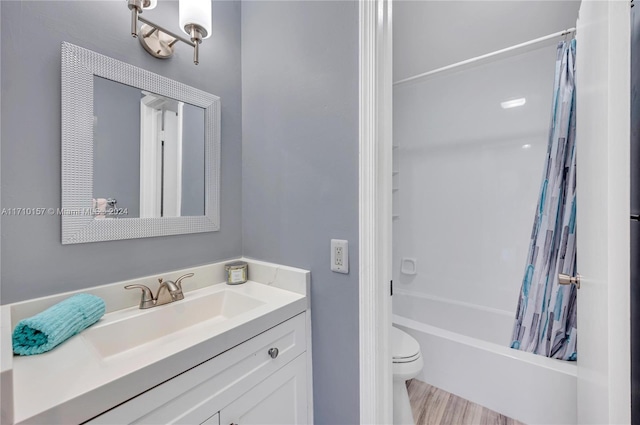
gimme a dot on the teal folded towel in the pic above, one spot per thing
(46, 330)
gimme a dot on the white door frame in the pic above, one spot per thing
(150, 124)
(603, 155)
(157, 184)
(172, 173)
(375, 186)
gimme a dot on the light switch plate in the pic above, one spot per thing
(339, 256)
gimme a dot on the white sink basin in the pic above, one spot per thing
(137, 327)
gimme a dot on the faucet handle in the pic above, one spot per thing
(179, 280)
(147, 297)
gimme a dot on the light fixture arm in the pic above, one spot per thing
(196, 32)
(160, 28)
(136, 8)
(156, 39)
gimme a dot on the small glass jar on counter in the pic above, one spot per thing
(237, 272)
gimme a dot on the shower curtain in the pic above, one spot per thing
(546, 316)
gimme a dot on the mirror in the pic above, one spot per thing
(140, 152)
(148, 154)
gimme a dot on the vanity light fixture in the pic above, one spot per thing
(194, 18)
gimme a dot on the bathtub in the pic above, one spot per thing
(466, 352)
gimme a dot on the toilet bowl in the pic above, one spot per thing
(407, 364)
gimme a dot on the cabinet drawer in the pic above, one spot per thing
(197, 394)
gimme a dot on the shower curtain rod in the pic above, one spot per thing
(486, 56)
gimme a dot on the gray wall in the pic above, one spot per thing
(116, 144)
(34, 262)
(300, 171)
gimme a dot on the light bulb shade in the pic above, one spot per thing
(195, 12)
(152, 5)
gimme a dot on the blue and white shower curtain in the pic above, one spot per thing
(546, 317)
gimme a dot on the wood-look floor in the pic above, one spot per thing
(433, 406)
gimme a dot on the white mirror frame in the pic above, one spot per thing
(79, 66)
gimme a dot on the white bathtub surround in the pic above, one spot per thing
(473, 320)
(97, 377)
(523, 386)
(467, 190)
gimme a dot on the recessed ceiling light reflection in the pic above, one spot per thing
(513, 103)
(527, 146)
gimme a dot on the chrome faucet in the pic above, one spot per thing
(168, 292)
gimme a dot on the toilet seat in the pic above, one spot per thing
(407, 364)
(406, 359)
(404, 348)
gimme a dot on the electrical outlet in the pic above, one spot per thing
(340, 256)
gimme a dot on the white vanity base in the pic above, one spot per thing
(190, 374)
(236, 383)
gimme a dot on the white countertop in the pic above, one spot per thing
(74, 382)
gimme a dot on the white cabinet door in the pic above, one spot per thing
(281, 399)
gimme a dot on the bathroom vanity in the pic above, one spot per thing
(224, 355)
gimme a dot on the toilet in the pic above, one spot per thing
(407, 364)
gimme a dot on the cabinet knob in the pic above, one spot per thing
(273, 352)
